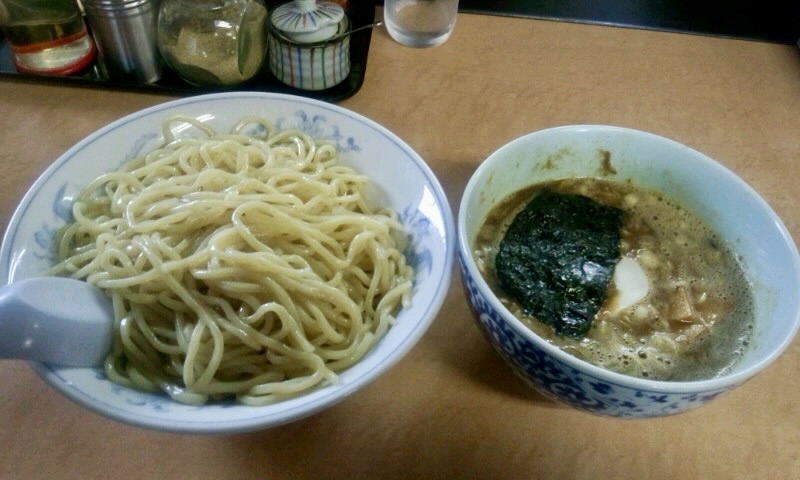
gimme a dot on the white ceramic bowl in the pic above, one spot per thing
(27, 248)
(733, 208)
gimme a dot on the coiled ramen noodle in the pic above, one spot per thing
(239, 264)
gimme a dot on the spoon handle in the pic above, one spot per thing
(55, 320)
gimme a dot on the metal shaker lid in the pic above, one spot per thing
(109, 5)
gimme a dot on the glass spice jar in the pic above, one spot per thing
(211, 43)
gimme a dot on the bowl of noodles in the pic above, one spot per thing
(263, 258)
(625, 274)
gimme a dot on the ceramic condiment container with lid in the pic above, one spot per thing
(309, 44)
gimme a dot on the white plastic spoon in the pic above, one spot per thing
(55, 320)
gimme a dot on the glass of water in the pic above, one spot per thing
(420, 23)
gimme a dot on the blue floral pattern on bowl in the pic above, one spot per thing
(316, 126)
(563, 383)
(28, 248)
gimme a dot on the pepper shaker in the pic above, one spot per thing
(125, 33)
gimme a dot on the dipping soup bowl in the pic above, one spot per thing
(730, 206)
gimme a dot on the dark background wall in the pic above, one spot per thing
(765, 20)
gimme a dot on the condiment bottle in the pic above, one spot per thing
(47, 36)
(213, 42)
(125, 34)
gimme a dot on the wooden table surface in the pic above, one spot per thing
(451, 409)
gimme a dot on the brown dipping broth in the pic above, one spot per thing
(697, 318)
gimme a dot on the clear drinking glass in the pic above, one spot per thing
(420, 23)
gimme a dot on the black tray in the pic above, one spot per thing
(360, 12)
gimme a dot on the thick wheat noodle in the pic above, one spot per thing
(246, 265)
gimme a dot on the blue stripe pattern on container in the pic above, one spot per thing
(310, 67)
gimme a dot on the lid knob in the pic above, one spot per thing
(306, 21)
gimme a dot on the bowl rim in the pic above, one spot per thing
(722, 382)
(262, 417)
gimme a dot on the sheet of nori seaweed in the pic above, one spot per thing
(557, 259)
